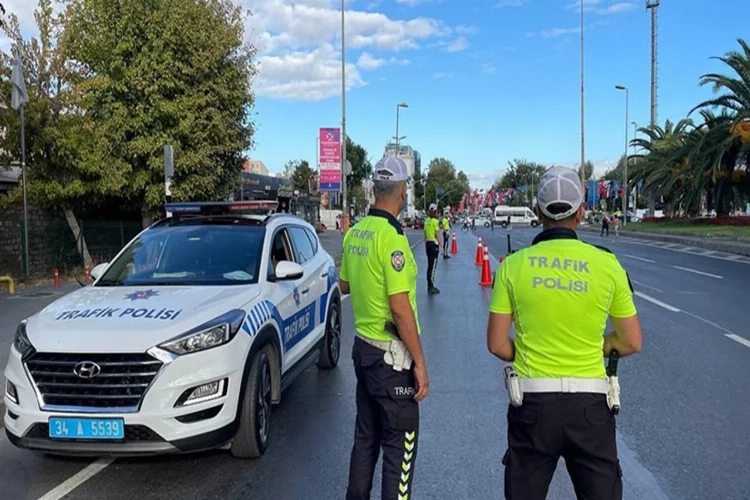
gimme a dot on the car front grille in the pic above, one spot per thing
(120, 385)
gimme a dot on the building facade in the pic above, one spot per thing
(410, 157)
(254, 167)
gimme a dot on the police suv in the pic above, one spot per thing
(182, 343)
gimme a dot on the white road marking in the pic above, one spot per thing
(647, 286)
(709, 322)
(78, 479)
(698, 272)
(638, 258)
(742, 259)
(657, 302)
(739, 339)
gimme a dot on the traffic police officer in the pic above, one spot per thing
(379, 272)
(559, 293)
(446, 236)
(432, 246)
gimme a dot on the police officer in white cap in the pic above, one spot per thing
(559, 292)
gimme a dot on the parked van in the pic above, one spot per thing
(518, 216)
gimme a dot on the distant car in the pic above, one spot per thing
(419, 223)
(182, 343)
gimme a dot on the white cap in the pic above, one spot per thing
(560, 186)
(433, 208)
(391, 169)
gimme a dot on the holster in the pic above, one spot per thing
(513, 386)
(397, 356)
(613, 394)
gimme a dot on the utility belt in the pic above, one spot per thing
(395, 354)
(517, 387)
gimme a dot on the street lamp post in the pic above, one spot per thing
(398, 108)
(625, 159)
(345, 225)
(583, 147)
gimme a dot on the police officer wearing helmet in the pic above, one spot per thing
(379, 272)
(432, 246)
(559, 293)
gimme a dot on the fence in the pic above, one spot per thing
(52, 244)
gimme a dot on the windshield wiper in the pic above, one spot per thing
(109, 283)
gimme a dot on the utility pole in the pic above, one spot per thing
(583, 129)
(345, 225)
(653, 6)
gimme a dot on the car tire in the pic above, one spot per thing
(251, 440)
(504, 224)
(534, 223)
(329, 356)
(486, 224)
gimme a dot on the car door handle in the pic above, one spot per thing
(324, 274)
(305, 291)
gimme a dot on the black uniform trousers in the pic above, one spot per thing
(387, 418)
(446, 240)
(576, 426)
(433, 252)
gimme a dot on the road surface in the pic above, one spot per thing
(682, 431)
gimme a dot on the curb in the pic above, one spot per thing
(706, 243)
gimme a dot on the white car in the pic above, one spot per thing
(182, 343)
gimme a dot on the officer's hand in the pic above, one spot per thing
(423, 382)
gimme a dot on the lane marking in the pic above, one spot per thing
(647, 286)
(638, 258)
(739, 339)
(698, 272)
(656, 301)
(78, 479)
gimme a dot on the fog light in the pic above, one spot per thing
(203, 393)
(10, 391)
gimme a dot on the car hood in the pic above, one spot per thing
(129, 319)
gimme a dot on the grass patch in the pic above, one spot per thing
(688, 228)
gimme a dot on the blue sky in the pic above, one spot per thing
(502, 80)
(486, 80)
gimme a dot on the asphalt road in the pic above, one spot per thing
(682, 431)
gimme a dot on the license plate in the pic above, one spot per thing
(86, 428)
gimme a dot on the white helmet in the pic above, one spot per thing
(433, 207)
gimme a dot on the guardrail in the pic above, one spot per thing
(11, 285)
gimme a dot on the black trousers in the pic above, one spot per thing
(433, 252)
(577, 427)
(446, 240)
(387, 418)
(605, 227)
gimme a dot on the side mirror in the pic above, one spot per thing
(287, 270)
(98, 270)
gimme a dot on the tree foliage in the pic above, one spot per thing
(361, 166)
(521, 172)
(302, 175)
(442, 175)
(146, 80)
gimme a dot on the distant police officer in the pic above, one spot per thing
(379, 272)
(559, 293)
(432, 246)
(446, 226)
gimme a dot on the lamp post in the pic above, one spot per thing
(398, 138)
(625, 159)
(345, 225)
(583, 147)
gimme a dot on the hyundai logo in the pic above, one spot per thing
(87, 369)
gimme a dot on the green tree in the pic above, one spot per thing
(149, 81)
(65, 154)
(361, 166)
(588, 172)
(442, 175)
(303, 176)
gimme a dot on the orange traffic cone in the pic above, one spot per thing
(480, 256)
(486, 270)
(454, 244)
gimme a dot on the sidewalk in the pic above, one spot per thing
(720, 244)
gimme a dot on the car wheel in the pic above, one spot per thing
(504, 224)
(251, 440)
(534, 223)
(329, 358)
(486, 224)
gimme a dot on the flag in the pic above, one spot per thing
(18, 94)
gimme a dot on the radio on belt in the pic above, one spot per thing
(613, 385)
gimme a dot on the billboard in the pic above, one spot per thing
(330, 159)
(593, 194)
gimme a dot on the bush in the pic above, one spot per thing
(704, 221)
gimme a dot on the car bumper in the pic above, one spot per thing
(158, 427)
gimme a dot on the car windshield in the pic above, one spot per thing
(189, 254)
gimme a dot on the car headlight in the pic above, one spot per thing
(214, 333)
(21, 342)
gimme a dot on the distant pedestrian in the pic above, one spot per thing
(616, 223)
(605, 225)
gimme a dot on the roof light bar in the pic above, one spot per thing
(221, 207)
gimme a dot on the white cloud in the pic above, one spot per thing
(369, 63)
(412, 3)
(440, 76)
(298, 44)
(457, 45)
(555, 32)
(510, 3)
(595, 6)
(487, 68)
(464, 29)
(619, 7)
